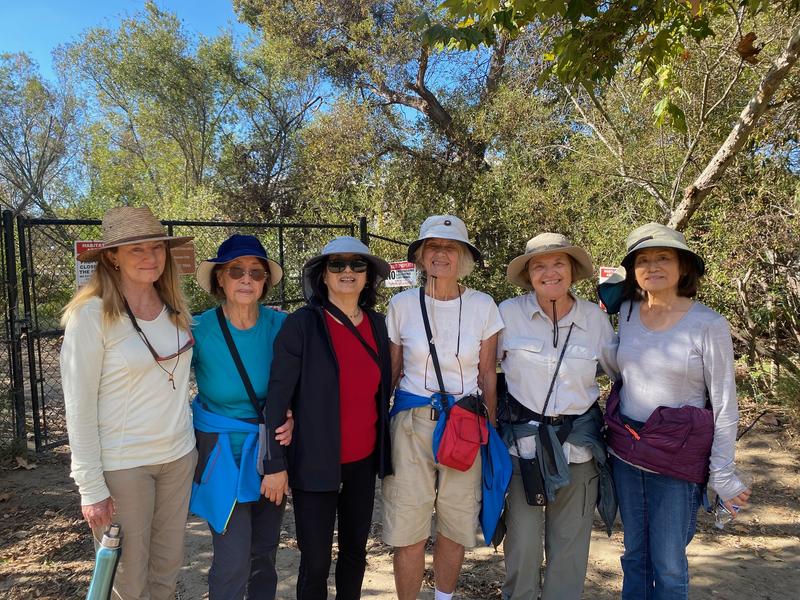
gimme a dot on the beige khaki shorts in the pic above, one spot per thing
(419, 485)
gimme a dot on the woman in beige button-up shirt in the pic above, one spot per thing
(538, 326)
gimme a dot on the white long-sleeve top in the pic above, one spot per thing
(684, 365)
(121, 409)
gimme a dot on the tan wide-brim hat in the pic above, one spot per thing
(548, 243)
(125, 225)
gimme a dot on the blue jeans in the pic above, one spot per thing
(659, 515)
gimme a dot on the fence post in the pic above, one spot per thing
(15, 343)
(280, 261)
(362, 230)
(26, 327)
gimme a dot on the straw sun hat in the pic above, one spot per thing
(130, 225)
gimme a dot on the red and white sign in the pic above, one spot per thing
(605, 273)
(403, 274)
(184, 257)
(84, 270)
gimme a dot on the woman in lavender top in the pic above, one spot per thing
(673, 352)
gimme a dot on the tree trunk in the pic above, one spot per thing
(695, 194)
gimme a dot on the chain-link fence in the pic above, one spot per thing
(7, 412)
(41, 279)
(48, 280)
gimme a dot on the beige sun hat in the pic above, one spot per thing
(656, 235)
(548, 243)
(124, 225)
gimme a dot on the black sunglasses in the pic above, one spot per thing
(358, 265)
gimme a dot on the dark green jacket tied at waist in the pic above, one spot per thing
(582, 430)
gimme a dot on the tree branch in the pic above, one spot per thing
(707, 181)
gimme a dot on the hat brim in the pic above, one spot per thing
(517, 271)
(206, 268)
(414, 246)
(93, 255)
(627, 261)
(380, 266)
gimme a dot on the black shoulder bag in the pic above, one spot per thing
(248, 386)
(529, 468)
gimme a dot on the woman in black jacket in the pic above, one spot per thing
(331, 366)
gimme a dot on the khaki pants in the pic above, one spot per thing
(420, 485)
(566, 525)
(151, 505)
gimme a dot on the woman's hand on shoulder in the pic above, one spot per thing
(99, 514)
(283, 434)
(275, 486)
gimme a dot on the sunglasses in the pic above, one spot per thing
(357, 265)
(239, 272)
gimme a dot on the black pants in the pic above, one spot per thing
(244, 556)
(315, 514)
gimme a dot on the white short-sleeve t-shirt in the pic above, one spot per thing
(457, 344)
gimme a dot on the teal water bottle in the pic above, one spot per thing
(105, 565)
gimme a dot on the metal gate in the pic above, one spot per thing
(39, 279)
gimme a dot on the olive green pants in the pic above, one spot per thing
(565, 525)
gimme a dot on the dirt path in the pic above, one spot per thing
(45, 551)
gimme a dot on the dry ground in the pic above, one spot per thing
(46, 552)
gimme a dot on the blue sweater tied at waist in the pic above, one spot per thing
(404, 400)
(219, 483)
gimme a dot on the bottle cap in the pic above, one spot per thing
(111, 536)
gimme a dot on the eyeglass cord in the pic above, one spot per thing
(135, 323)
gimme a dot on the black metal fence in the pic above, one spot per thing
(40, 277)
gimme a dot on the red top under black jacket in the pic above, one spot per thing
(305, 377)
(359, 378)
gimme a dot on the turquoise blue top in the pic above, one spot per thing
(218, 382)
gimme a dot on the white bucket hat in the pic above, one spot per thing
(446, 227)
(548, 243)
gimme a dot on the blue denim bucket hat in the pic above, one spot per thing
(237, 246)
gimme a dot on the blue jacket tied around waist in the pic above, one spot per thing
(406, 401)
(495, 461)
(219, 483)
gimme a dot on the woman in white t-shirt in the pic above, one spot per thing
(125, 373)
(464, 325)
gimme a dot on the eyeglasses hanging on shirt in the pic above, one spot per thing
(434, 385)
(158, 358)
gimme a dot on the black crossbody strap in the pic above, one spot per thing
(226, 333)
(431, 345)
(558, 366)
(345, 320)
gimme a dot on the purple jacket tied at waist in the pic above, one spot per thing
(674, 441)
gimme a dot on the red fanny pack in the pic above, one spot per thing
(465, 431)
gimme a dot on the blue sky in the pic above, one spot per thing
(39, 26)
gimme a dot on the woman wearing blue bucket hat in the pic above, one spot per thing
(232, 358)
(332, 368)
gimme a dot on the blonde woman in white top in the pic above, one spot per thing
(125, 373)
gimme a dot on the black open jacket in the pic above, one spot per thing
(305, 377)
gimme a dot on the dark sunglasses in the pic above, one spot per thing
(358, 265)
(238, 273)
